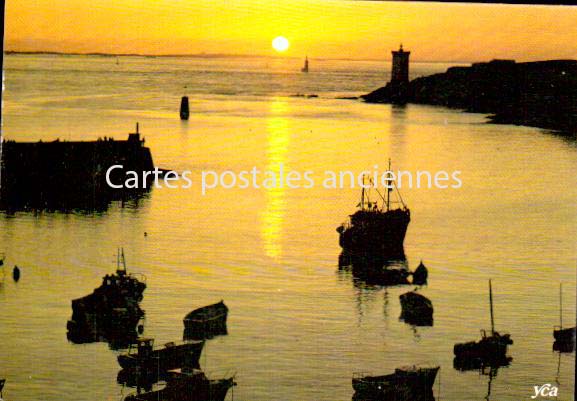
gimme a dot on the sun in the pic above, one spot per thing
(280, 44)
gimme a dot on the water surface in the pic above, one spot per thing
(298, 326)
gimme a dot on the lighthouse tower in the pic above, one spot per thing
(400, 72)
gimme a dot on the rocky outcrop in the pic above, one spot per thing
(540, 94)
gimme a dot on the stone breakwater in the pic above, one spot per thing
(67, 175)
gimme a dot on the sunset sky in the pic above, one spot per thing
(319, 28)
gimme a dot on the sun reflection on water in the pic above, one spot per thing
(278, 136)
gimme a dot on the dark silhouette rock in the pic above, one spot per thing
(539, 94)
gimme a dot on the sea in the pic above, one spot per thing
(299, 326)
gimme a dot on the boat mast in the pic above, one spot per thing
(491, 303)
(561, 306)
(120, 259)
(389, 188)
(123, 260)
(363, 194)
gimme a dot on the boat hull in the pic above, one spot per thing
(403, 385)
(416, 309)
(206, 322)
(491, 351)
(375, 235)
(188, 390)
(170, 357)
(565, 335)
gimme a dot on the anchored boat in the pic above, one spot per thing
(490, 350)
(564, 337)
(171, 356)
(128, 285)
(112, 312)
(206, 322)
(416, 309)
(188, 386)
(377, 230)
(408, 383)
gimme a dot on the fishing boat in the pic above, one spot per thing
(111, 312)
(128, 285)
(143, 356)
(377, 230)
(407, 383)
(305, 68)
(184, 385)
(490, 350)
(92, 321)
(416, 309)
(564, 337)
(206, 322)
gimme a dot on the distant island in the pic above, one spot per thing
(538, 94)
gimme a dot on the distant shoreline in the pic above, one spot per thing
(212, 56)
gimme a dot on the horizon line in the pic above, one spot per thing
(213, 55)
(242, 55)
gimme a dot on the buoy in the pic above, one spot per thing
(16, 273)
(184, 110)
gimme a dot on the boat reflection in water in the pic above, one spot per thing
(375, 270)
(405, 384)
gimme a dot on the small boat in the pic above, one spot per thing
(408, 383)
(206, 322)
(420, 275)
(416, 309)
(564, 337)
(490, 350)
(171, 356)
(2, 383)
(377, 230)
(188, 386)
(305, 68)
